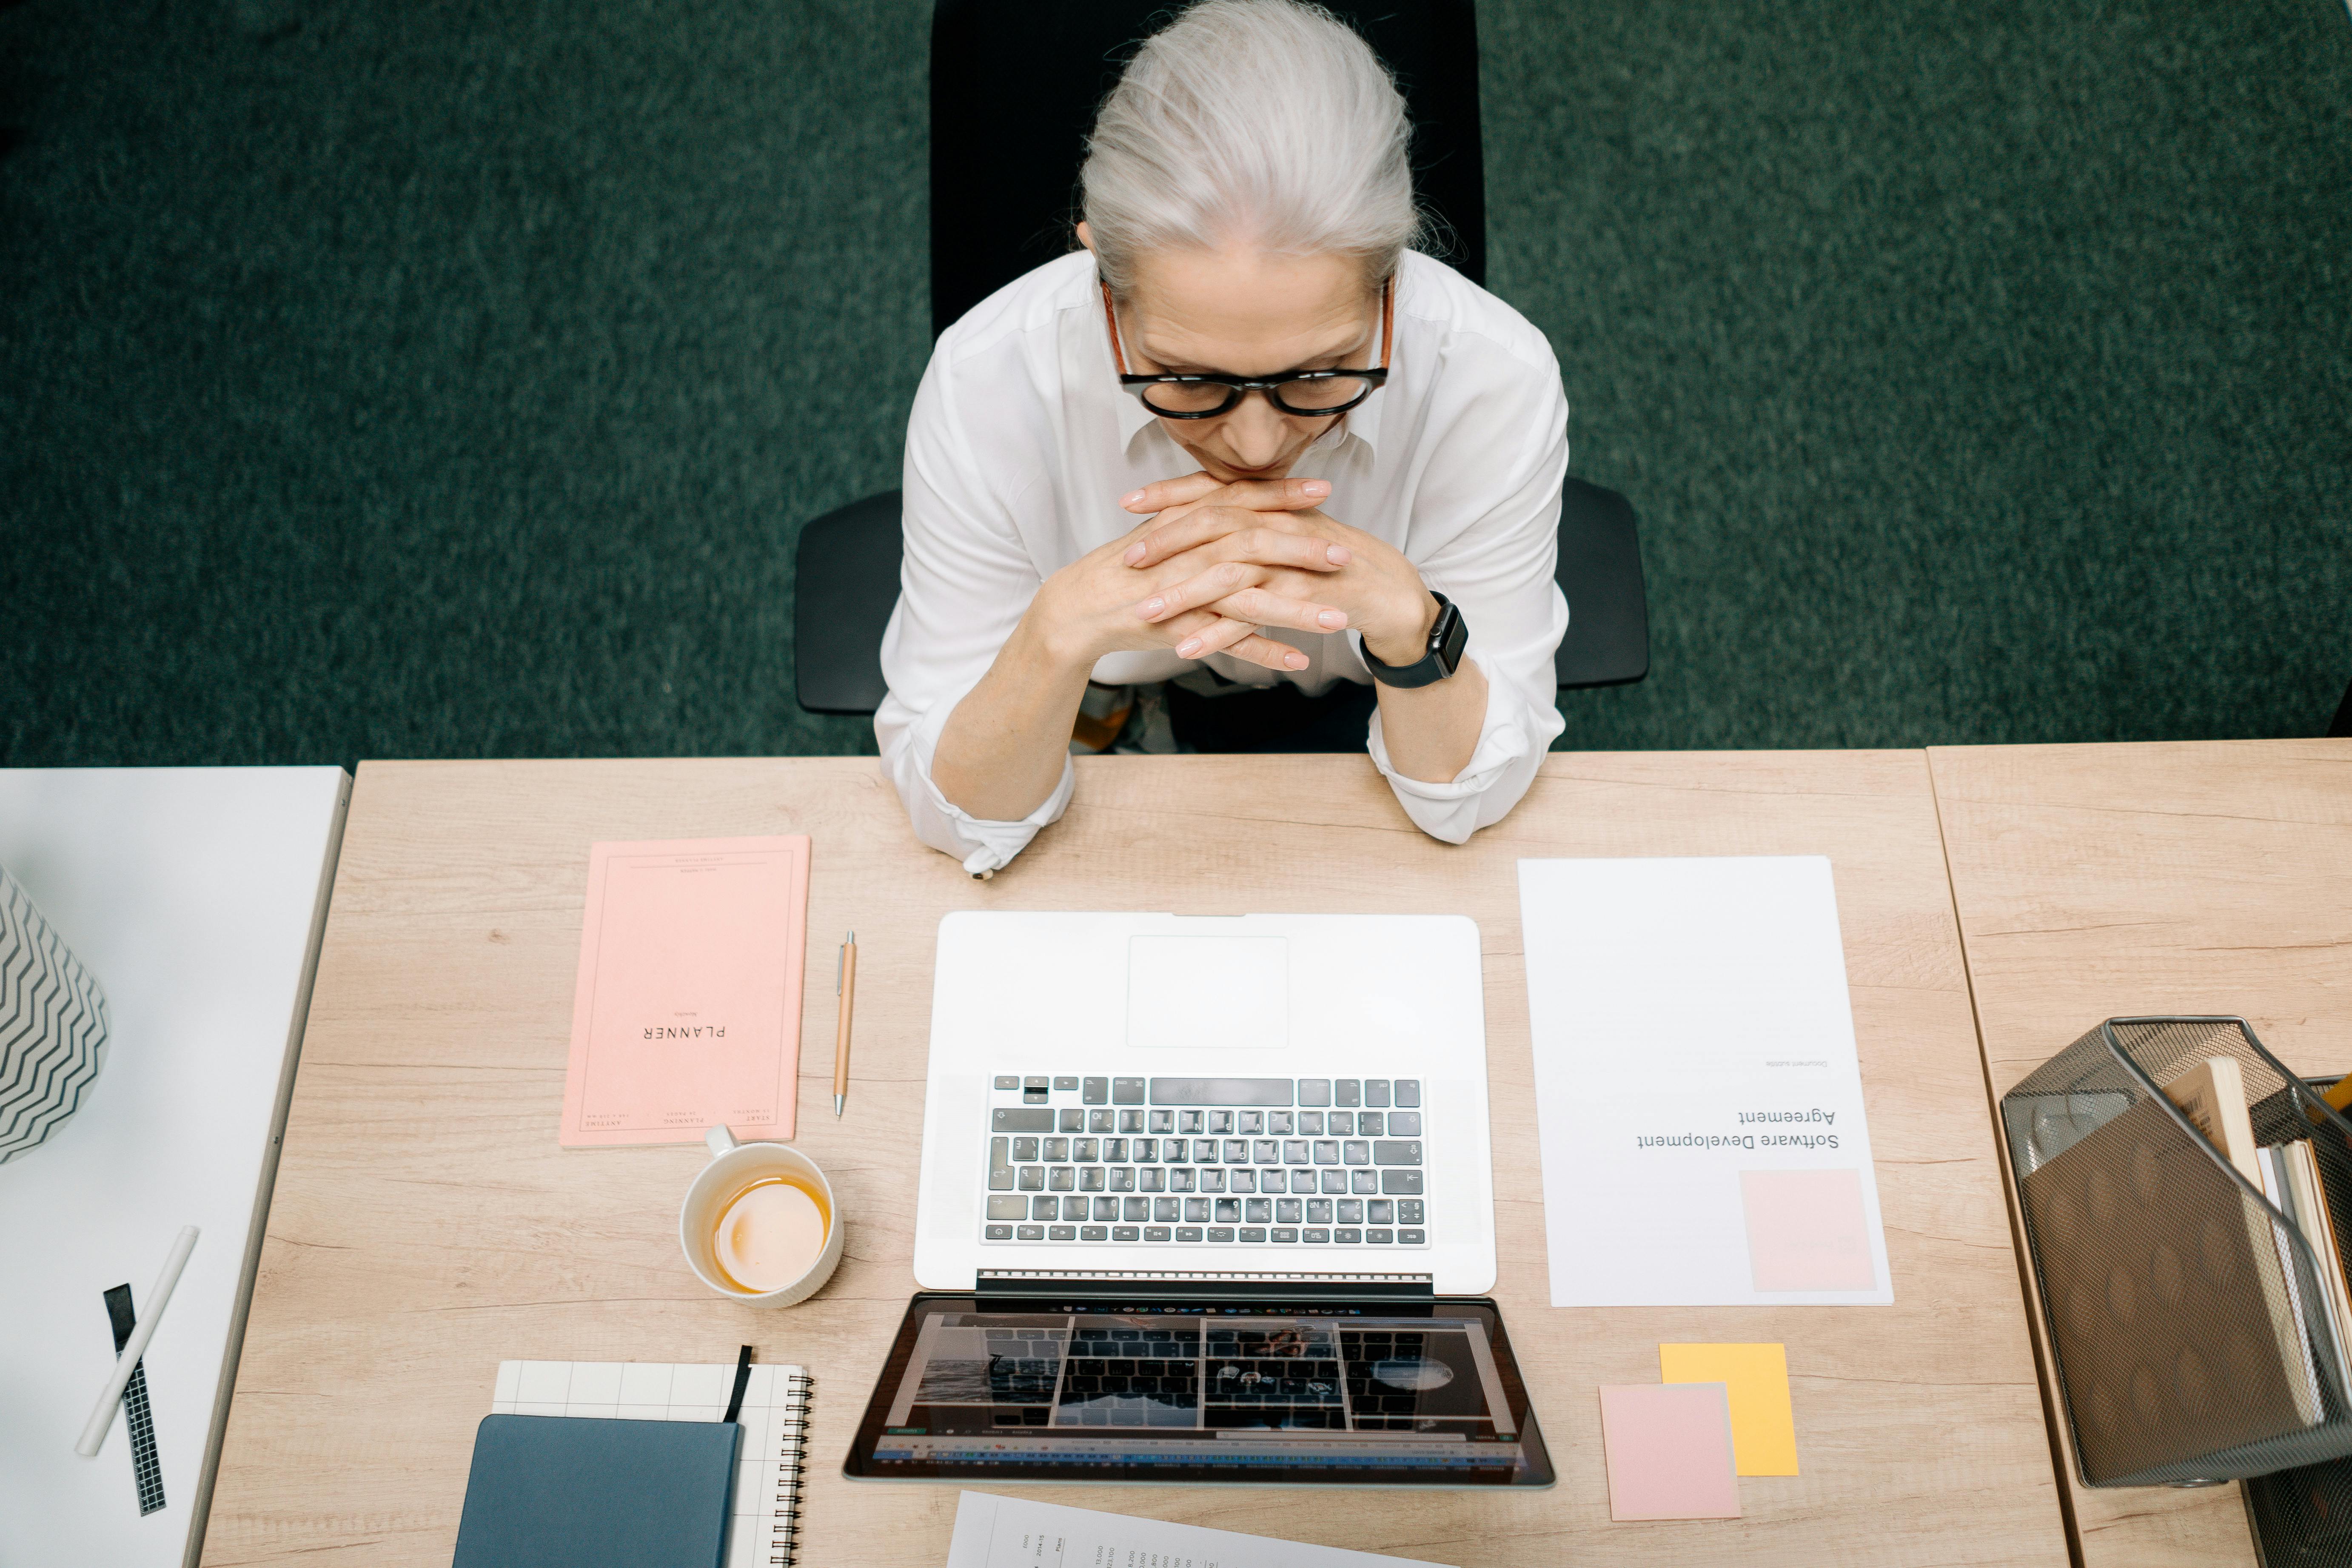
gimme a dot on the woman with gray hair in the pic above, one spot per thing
(1243, 437)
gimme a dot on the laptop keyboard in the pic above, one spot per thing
(1271, 1161)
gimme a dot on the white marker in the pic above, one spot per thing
(94, 1434)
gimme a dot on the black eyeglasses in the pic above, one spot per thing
(1311, 394)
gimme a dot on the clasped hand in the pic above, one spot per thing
(1214, 563)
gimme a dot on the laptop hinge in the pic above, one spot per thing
(1201, 1284)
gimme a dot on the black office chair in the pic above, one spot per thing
(1009, 124)
(2343, 725)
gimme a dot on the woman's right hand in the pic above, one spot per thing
(1094, 605)
(1006, 745)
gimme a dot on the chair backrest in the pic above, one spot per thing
(1599, 571)
(1015, 83)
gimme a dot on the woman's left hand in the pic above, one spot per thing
(1381, 591)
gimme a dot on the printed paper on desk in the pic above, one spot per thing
(687, 1009)
(1691, 1031)
(993, 1532)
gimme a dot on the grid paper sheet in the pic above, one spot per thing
(766, 1507)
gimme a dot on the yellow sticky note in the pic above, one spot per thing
(1763, 1427)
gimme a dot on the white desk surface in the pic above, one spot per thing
(196, 895)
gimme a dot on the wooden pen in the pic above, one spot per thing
(845, 985)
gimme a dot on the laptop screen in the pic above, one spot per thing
(1391, 1392)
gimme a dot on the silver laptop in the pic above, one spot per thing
(1258, 1096)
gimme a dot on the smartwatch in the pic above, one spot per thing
(1443, 656)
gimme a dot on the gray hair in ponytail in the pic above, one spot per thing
(1260, 122)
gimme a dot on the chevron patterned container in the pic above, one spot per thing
(52, 1025)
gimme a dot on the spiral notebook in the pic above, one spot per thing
(763, 1523)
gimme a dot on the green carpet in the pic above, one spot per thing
(449, 380)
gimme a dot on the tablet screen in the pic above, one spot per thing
(1391, 1392)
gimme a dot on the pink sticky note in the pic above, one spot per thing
(1669, 1450)
(1807, 1230)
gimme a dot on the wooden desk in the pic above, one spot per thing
(2094, 881)
(427, 1225)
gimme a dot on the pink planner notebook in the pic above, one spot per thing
(687, 1009)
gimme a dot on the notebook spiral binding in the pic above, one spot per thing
(784, 1533)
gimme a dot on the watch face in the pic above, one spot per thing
(1451, 635)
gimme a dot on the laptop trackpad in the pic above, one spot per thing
(1201, 991)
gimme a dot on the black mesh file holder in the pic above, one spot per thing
(2189, 1339)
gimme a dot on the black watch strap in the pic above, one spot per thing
(1447, 636)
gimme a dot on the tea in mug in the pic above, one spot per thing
(769, 1235)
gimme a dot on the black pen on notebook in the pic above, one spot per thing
(845, 985)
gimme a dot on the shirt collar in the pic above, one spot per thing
(1133, 418)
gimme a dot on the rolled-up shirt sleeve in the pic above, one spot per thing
(1485, 533)
(963, 586)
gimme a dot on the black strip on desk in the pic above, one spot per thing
(146, 1467)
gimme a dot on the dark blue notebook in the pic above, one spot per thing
(574, 1491)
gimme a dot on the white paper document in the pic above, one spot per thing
(993, 1532)
(1697, 1096)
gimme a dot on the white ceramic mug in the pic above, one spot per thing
(733, 1167)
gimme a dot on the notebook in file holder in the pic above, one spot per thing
(1263, 1143)
(2191, 1340)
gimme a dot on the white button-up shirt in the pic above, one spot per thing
(1022, 443)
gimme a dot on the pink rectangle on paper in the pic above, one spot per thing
(1807, 1230)
(1669, 1450)
(686, 1012)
